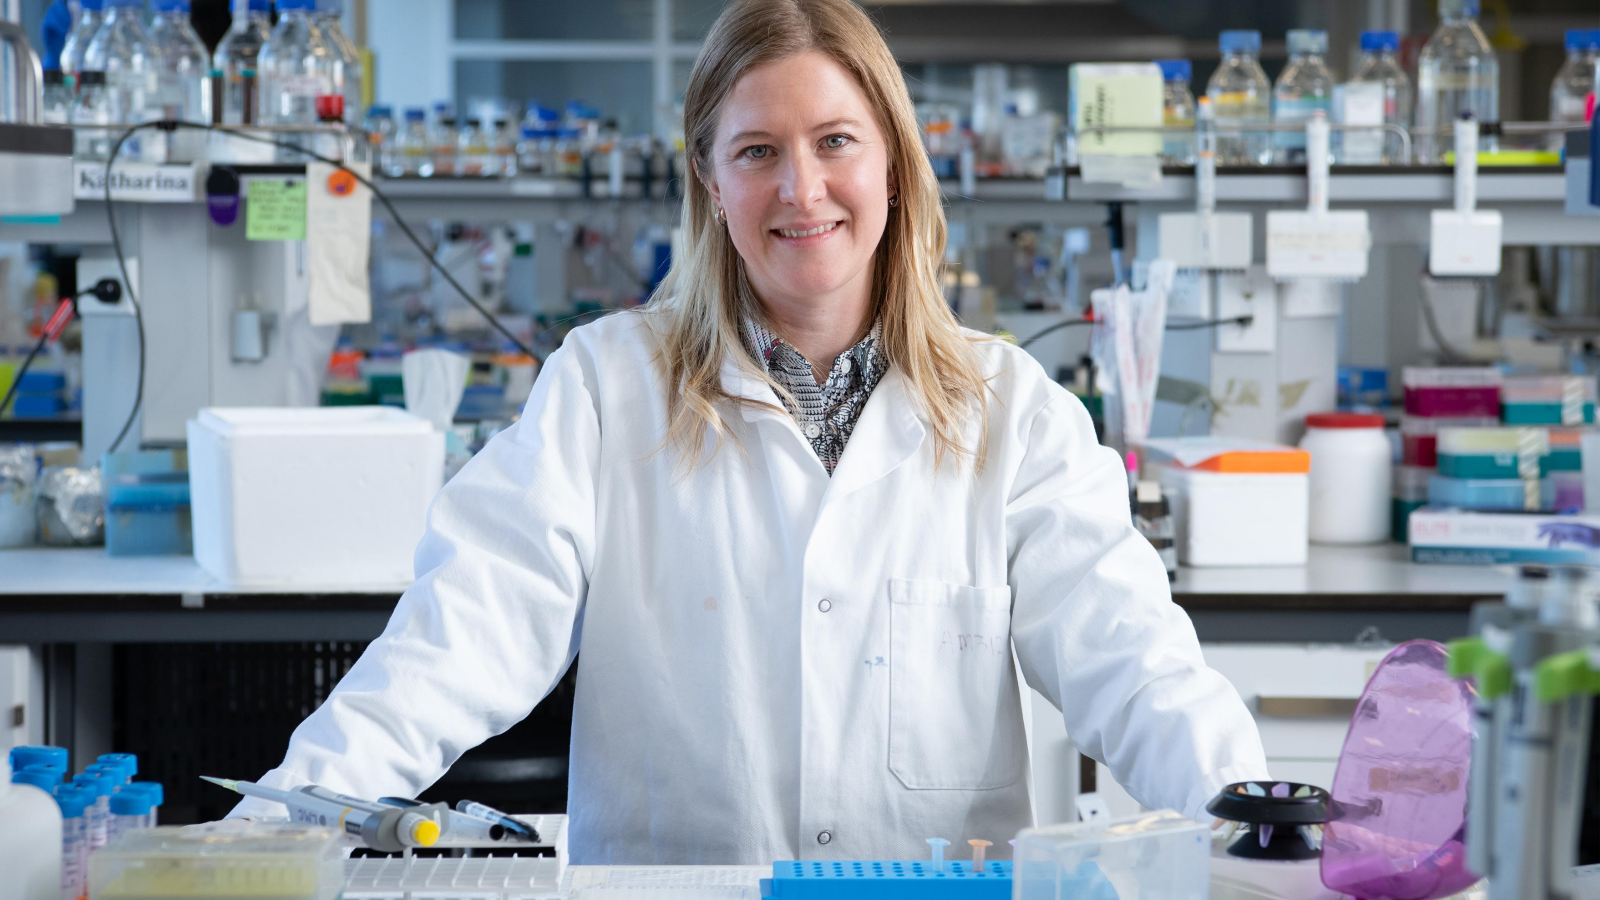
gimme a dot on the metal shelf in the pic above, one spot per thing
(1346, 184)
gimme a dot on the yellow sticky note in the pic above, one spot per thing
(275, 209)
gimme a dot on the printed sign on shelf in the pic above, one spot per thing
(138, 182)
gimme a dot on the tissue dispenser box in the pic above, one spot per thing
(333, 496)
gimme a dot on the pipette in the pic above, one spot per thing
(460, 828)
(389, 829)
(516, 830)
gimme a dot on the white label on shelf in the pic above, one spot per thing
(140, 182)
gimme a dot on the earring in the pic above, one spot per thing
(722, 217)
(894, 200)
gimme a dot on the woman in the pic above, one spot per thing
(799, 522)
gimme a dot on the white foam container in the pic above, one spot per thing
(1239, 519)
(334, 496)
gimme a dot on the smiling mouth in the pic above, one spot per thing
(820, 229)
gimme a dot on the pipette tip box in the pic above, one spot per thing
(886, 880)
(231, 858)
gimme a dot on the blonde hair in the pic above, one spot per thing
(709, 294)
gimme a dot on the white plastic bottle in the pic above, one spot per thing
(1177, 112)
(297, 65)
(1456, 73)
(90, 14)
(1241, 99)
(1574, 83)
(1351, 475)
(238, 58)
(1304, 88)
(121, 49)
(30, 841)
(1378, 93)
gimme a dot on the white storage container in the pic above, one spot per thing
(333, 497)
(1239, 518)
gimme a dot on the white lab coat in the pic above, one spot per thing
(778, 664)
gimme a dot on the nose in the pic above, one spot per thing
(802, 184)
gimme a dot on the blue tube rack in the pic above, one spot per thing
(886, 880)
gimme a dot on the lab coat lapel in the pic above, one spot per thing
(888, 433)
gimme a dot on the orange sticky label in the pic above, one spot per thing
(341, 183)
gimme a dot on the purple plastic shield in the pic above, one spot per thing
(1395, 823)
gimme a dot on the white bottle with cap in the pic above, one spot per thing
(1351, 465)
(30, 841)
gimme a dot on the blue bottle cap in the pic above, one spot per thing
(1240, 42)
(416, 114)
(92, 5)
(1380, 41)
(130, 803)
(44, 780)
(59, 773)
(127, 762)
(73, 801)
(1468, 8)
(95, 782)
(1307, 40)
(1582, 39)
(177, 6)
(285, 5)
(150, 788)
(260, 6)
(1175, 69)
(381, 111)
(22, 757)
(126, 4)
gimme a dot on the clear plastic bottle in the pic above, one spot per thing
(412, 143)
(90, 15)
(1574, 83)
(529, 159)
(1177, 112)
(380, 128)
(183, 67)
(57, 98)
(1304, 87)
(472, 159)
(1379, 92)
(121, 49)
(1456, 73)
(238, 58)
(329, 15)
(444, 144)
(92, 106)
(503, 148)
(297, 65)
(1241, 98)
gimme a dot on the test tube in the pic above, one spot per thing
(127, 762)
(74, 804)
(979, 849)
(130, 811)
(157, 797)
(26, 756)
(100, 784)
(110, 770)
(938, 845)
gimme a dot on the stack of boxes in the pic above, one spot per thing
(40, 395)
(1437, 399)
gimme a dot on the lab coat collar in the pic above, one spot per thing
(889, 431)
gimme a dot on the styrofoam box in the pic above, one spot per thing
(332, 496)
(1227, 519)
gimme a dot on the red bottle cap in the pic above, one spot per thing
(330, 107)
(1344, 420)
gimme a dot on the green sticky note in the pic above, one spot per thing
(275, 210)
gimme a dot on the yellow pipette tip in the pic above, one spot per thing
(222, 782)
(425, 833)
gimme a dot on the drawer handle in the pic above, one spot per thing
(1306, 707)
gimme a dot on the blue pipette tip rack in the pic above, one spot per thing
(885, 880)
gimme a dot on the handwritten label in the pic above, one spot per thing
(993, 645)
(276, 209)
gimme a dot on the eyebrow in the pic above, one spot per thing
(825, 126)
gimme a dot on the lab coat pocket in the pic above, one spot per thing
(955, 715)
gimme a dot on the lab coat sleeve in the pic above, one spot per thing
(1096, 631)
(493, 619)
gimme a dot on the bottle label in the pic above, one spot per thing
(1296, 110)
(1363, 103)
(305, 85)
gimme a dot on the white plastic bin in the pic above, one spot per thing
(1157, 854)
(335, 496)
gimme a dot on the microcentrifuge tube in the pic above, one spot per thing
(938, 845)
(979, 848)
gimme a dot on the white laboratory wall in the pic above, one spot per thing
(411, 40)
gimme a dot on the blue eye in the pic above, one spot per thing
(759, 151)
(835, 141)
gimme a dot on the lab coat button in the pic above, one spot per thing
(812, 430)
(825, 604)
(824, 837)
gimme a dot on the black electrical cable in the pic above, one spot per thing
(1171, 326)
(100, 290)
(388, 205)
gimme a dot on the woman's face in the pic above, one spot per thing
(800, 166)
